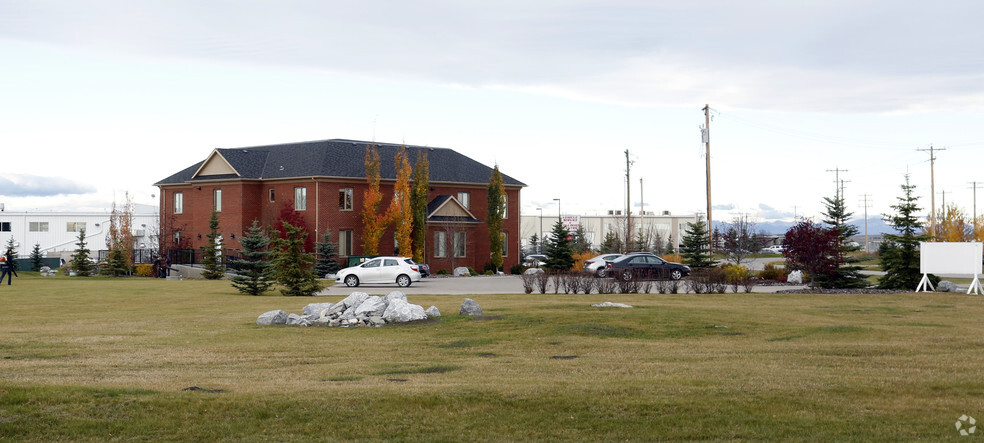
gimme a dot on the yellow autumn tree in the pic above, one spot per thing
(953, 225)
(373, 223)
(399, 211)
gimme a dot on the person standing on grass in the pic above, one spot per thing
(7, 267)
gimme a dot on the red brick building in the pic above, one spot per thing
(324, 182)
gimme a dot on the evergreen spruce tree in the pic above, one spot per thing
(695, 245)
(580, 241)
(11, 246)
(670, 247)
(846, 275)
(534, 244)
(292, 264)
(611, 244)
(899, 253)
(36, 258)
(254, 274)
(212, 252)
(560, 256)
(80, 262)
(327, 256)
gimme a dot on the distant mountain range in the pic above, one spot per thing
(876, 226)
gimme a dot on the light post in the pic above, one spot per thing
(539, 236)
(558, 210)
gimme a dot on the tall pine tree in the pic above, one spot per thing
(81, 263)
(845, 275)
(212, 252)
(327, 256)
(36, 258)
(899, 253)
(253, 271)
(292, 264)
(560, 256)
(695, 245)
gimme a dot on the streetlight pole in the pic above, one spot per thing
(539, 236)
(558, 211)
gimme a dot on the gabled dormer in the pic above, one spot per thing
(447, 209)
(215, 165)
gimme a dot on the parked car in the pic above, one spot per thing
(425, 270)
(597, 265)
(535, 260)
(400, 270)
(645, 265)
(774, 249)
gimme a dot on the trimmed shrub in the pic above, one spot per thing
(145, 270)
(772, 272)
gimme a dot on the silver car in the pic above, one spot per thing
(596, 265)
(400, 270)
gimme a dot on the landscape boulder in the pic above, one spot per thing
(946, 286)
(470, 307)
(316, 308)
(373, 306)
(462, 272)
(401, 311)
(432, 311)
(795, 277)
(276, 317)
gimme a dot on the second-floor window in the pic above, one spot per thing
(465, 199)
(38, 226)
(300, 199)
(178, 202)
(345, 199)
(217, 200)
(74, 226)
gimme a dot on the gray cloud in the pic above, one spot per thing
(767, 212)
(839, 55)
(18, 185)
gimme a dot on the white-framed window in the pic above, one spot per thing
(4, 226)
(217, 200)
(345, 199)
(178, 202)
(505, 207)
(505, 244)
(345, 242)
(74, 226)
(38, 226)
(465, 199)
(460, 240)
(440, 244)
(177, 237)
(273, 196)
(300, 199)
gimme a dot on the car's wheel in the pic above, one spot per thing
(351, 281)
(403, 281)
(676, 274)
(627, 275)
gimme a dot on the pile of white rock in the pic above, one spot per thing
(358, 309)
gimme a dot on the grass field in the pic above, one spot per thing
(98, 359)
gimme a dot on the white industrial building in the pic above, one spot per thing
(57, 232)
(667, 226)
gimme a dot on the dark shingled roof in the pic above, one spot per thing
(339, 158)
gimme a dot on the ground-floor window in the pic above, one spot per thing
(440, 244)
(460, 240)
(345, 242)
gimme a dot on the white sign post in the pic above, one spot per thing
(950, 258)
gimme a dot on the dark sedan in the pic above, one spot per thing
(645, 265)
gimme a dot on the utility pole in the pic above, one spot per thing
(975, 186)
(628, 203)
(642, 208)
(932, 189)
(867, 204)
(706, 136)
(837, 182)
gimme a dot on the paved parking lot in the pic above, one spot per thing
(483, 284)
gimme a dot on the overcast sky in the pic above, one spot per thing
(101, 98)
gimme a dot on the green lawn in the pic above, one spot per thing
(98, 359)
